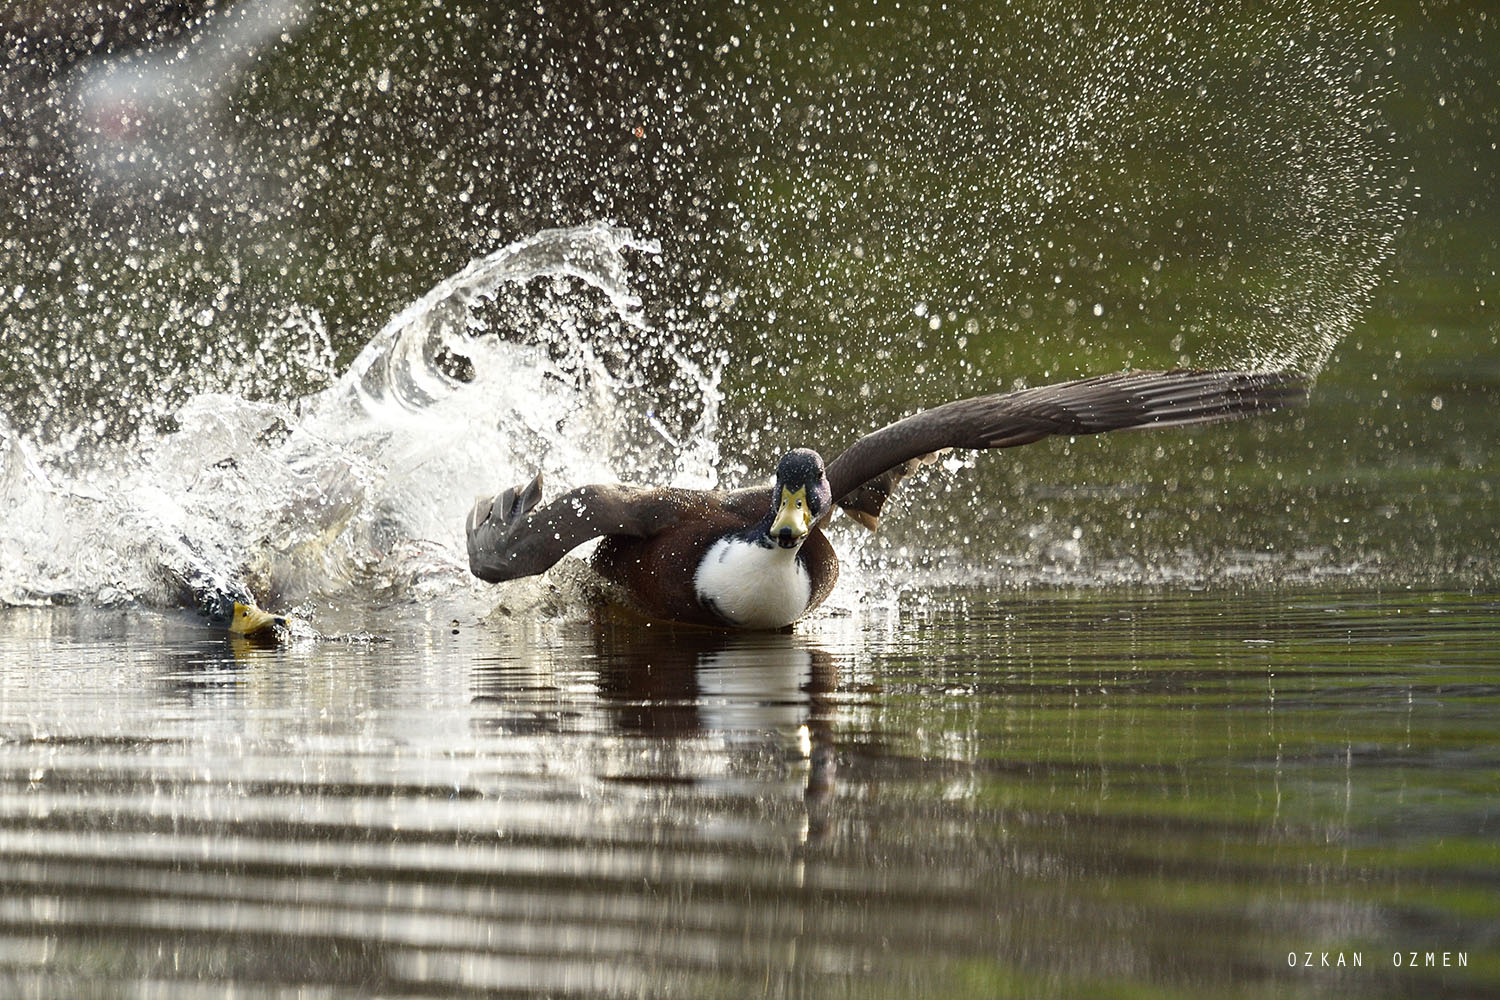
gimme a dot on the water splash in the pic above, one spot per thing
(1151, 185)
(150, 117)
(364, 483)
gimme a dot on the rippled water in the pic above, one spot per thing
(970, 795)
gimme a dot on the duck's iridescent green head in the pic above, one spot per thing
(800, 497)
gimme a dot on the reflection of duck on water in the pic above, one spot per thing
(743, 687)
(709, 704)
(677, 682)
(757, 558)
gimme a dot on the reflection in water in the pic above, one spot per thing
(673, 681)
(1044, 797)
(746, 694)
(679, 682)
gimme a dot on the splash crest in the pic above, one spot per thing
(362, 484)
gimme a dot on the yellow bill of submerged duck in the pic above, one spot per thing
(232, 610)
(247, 620)
(758, 557)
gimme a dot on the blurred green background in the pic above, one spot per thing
(863, 208)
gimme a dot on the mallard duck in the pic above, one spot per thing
(757, 558)
(232, 609)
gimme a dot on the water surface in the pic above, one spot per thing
(979, 793)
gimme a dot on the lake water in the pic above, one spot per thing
(974, 794)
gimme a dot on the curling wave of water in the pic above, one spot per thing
(365, 482)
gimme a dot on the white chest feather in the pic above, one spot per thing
(754, 586)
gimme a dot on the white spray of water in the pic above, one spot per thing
(362, 484)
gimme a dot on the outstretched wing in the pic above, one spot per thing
(507, 541)
(864, 474)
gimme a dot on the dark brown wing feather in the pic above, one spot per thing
(870, 467)
(865, 501)
(506, 540)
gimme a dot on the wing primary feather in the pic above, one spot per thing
(506, 540)
(1117, 401)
